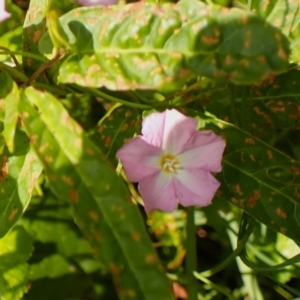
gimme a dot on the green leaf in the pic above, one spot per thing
(145, 46)
(11, 102)
(50, 220)
(281, 101)
(79, 172)
(16, 248)
(33, 29)
(284, 14)
(52, 266)
(19, 172)
(115, 128)
(259, 179)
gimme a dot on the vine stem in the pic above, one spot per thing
(191, 255)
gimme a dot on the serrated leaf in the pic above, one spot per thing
(78, 172)
(16, 248)
(19, 172)
(261, 180)
(115, 128)
(145, 46)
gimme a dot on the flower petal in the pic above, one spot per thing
(3, 13)
(158, 192)
(195, 187)
(169, 130)
(203, 151)
(139, 159)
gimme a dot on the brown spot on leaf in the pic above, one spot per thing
(36, 36)
(4, 168)
(270, 154)
(130, 293)
(280, 213)
(43, 147)
(107, 141)
(97, 235)
(92, 20)
(251, 201)
(238, 190)
(209, 40)
(33, 138)
(48, 159)
(68, 180)
(74, 196)
(136, 236)
(151, 259)
(13, 214)
(114, 270)
(252, 157)
(228, 60)
(93, 215)
(250, 140)
(96, 251)
(294, 170)
(90, 151)
(296, 192)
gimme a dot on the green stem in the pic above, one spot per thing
(191, 255)
(5, 51)
(239, 249)
(117, 100)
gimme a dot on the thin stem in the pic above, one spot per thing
(191, 255)
(43, 67)
(114, 99)
(239, 249)
(6, 51)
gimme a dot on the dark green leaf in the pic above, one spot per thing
(78, 172)
(118, 125)
(261, 180)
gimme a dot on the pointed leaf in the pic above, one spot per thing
(11, 102)
(19, 172)
(79, 172)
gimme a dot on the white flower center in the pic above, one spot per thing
(170, 163)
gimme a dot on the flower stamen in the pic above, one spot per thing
(170, 163)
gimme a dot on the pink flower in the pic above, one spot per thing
(173, 161)
(96, 2)
(3, 13)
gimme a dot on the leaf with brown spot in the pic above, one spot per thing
(110, 135)
(19, 172)
(269, 180)
(103, 214)
(129, 54)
